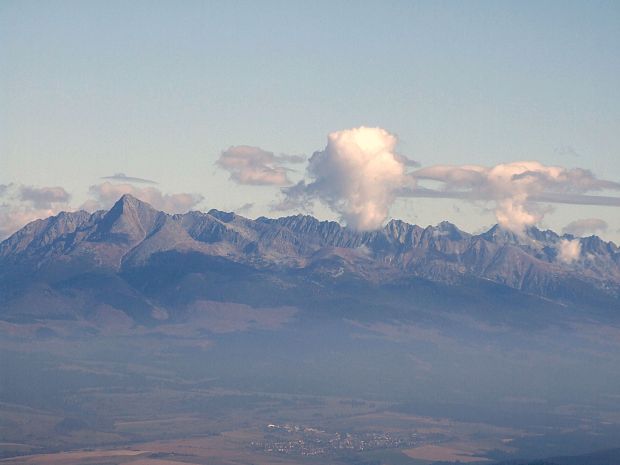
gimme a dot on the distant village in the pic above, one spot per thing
(300, 440)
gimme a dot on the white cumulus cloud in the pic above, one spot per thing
(356, 175)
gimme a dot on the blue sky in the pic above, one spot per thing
(158, 90)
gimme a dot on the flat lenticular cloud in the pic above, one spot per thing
(104, 195)
(585, 226)
(255, 166)
(515, 188)
(122, 177)
(356, 175)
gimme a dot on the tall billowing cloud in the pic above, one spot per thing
(23, 204)
(356, 175)
(516, 188)
(585, 226)
(255, 166)
(104, 195)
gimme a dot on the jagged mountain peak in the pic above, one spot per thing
(41, 233)
(531, 236)
(451, 231)
(127, 203)
(132, 233)
(499, 234)
(223, 216)
(129, 220)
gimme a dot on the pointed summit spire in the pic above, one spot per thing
(129, 220)
(128, 200)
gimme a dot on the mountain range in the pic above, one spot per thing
(144, 259)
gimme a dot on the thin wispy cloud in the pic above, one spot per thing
(549, 197)
(578, 199)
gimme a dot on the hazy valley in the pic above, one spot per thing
(181, 338)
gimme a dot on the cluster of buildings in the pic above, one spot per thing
(308, 441)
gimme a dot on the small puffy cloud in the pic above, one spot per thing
(122, 177)
(245, 208)
(356, 175)
(515, 188)
(43, 198)
(585, 226)
(104, 195)
(255, 166)
(23, 204)
(569, 250)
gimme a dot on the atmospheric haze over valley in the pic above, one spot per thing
(280, 340)
(329, 233)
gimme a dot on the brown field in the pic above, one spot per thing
(227, 449)
(174, 420)
(443, 453)
(232, 446)
(77, 457)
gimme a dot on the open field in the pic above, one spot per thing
(227, 438)
(170, 399)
